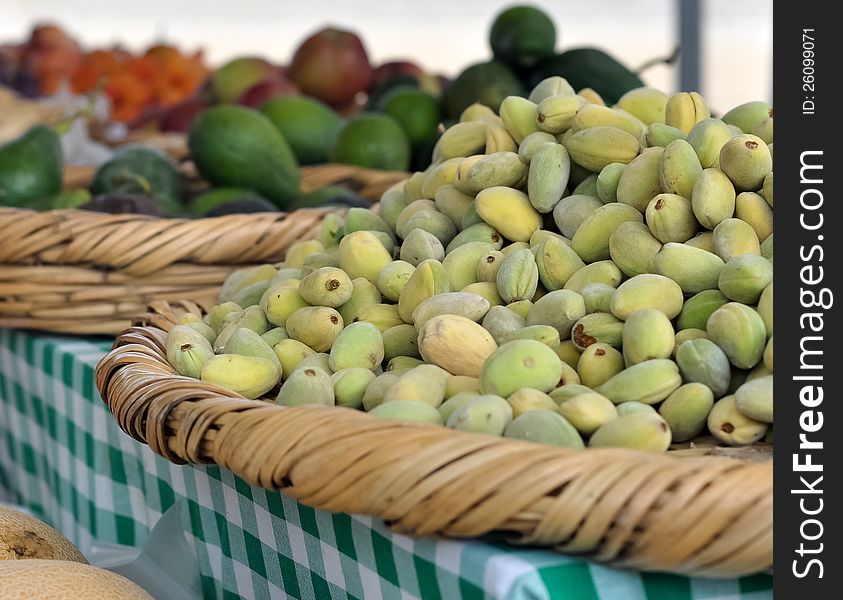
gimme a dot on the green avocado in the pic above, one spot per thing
(308, 125)
(589, 67)
(30, 168)
(487, 83)
(144, 171)
(234, 146)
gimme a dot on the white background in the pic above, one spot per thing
(440, 35)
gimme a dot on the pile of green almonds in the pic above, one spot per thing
(564, 272)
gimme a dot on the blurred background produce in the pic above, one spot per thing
(369, 87)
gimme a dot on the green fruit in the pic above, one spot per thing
(415, 110)
(530, 144)
(639, 431)
(350, 386)
(144, 171)
(765, 308)
(275, 335)
(744, 278)
(702, 361)
(299, 251)
(519, 364)
(555, 114)
(596, 147)
(187, 350)
(521, 36)
(455, 402)
(640, 181)
(703, 241)
(627, 408)
(633, 248)
(393, 278)
(249, 376)
(488, 266)
(648, 104)
(647, 291)
(591, 240)
(572, 211)
(461, 263)
(246, 342)
(243, 278)
(694, 269)
(597, 297)
(425, 383)
(588, 411)
(308, 125)
(498, 169)
(545, 334)
(749, 115)
(739, 331)
(730, 426)
(604, 271)
(594, 115)
(659, 135)
(647, 334)
(328, 286)
(557, 262)
(487, 83)
(548, 178)
(30, 167)
(596, 328)
(707, 139)
(754, 399)
(648, 382)
(363, 255)
(679, 168)
(590, 68)
(461, 383)
(376, 390)
(598, 363)
(509, 212)
(733, 237)
(566, 392)
(767, 189)
(419, 245)
(698, 308)
(518, 276)
(527, 399)
(478, 232)
(251, 318)
(551, 87)
(544, 427)
(372, 141)
(684, 110)
(315, 326)
(519, 117)
(280, 301)
(408, 410)
(452, 202)
(400, 340)
(713, 198)
(686, 411)
(686, 335)
(382, 316)
(608, 181)
(363, 293)
(485, 414)
(216, 316)
(501, 322)
(240, 147)
(671, 218)
(464, 304)
(359, 345)
(559, 309)
(746, 160)
(307, 385)
(428, 279)
(753, 209)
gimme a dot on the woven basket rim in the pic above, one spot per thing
(706, 516)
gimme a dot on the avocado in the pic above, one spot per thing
(207, 201)
(589, 67)
(144, 171)
(30, 168)
(521, 36)
(308, 125)
(487, 83)
(239, 147)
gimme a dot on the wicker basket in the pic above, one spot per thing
(74, 271)
(708, 516)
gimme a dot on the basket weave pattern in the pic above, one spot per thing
(75, 271)
(706, 516)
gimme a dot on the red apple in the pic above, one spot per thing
(390, 69)
(331, 65)
(179, 117)
(266, 89)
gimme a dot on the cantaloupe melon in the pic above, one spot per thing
(63, 580)
(25, 537)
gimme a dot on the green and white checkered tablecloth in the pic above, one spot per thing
(63, 456)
